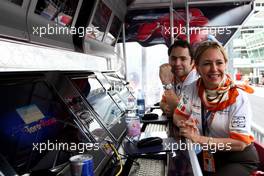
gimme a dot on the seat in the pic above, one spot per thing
(260, 150)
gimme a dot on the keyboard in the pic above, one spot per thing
(155, 128)
(148, 167)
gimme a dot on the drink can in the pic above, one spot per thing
(82, 165)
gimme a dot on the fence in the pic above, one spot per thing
(258, 132)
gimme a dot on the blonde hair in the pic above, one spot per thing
(207, 45)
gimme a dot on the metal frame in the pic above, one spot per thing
(171, 22)
(191, 2)
(239, 26)
(187, 20)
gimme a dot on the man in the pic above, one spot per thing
(176, 75)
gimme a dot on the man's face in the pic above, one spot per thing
(180, 61)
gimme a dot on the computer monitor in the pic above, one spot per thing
(115, 88)
(105, 106)
(119, 85)
(37, 131)
(114, 31)
(100, 21)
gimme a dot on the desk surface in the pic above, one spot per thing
(178, 160)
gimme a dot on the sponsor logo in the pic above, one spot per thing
(238, 121)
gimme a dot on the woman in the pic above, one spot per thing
(215, 113)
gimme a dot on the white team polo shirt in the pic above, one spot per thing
(181, 86)
(234, 121)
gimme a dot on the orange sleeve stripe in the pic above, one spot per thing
(242, 137)
(163, 99)
(178, 112)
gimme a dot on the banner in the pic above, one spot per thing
(150, 27)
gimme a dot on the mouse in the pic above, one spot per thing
(150, 116)
(150, 141)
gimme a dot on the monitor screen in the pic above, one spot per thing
(121, 103)
(114, 88)
(100, 21)
(99, 99)
(119, 86)
(114, 31)
(36, 129)
(61, 12)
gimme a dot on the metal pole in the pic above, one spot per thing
(216, 2)
(171, 22)
(144, 69)
(124, 49)
(187, 20)
(194, 161)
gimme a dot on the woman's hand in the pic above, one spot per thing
(189, 129)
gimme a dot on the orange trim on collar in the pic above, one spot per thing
(182, 78)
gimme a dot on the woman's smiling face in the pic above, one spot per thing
(212, 67)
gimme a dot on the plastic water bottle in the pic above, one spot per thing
(140, 103)
(131, 102)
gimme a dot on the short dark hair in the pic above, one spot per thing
(183, 44)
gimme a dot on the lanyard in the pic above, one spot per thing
(178, 89)
(208, 158)
(178, 86)
(207, 119)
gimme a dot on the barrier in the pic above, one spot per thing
(258, 132)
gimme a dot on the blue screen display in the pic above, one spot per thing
(31, 114)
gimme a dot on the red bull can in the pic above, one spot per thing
(82, 165)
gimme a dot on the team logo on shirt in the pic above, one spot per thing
(183, 104)
(181, 107)
(238, 121)
(185, 99)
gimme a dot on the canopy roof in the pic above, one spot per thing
(148, 21)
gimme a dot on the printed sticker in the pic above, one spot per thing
(238, 121)
(30, 113)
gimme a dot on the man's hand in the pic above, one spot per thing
(170, 104)
(171, 98)
(166, 76)
(168, 110)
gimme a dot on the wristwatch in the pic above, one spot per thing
(167, 86)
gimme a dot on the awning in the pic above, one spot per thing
(148, 22)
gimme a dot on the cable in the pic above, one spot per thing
(127, 157)
(118, 157)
